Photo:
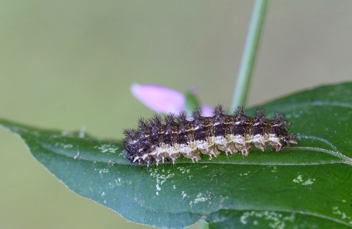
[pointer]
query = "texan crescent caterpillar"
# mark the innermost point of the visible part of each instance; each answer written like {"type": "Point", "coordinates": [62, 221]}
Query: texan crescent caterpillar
{"type": "Point", "coordinates": [157, 141]}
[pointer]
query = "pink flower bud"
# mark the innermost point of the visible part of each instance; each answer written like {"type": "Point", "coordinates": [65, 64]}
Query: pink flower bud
{"type": "Point", "coordinates": [163, 99]}
{"type": "Point", "coordinates": [158, 98]}
{"type": "Point", "coordinates": [207, 110]}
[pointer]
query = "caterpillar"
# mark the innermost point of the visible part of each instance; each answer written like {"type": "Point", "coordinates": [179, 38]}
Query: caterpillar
{"type": "Point", "coordinates": [155, 141]}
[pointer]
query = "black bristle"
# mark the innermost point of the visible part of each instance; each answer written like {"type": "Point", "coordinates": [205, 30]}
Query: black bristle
{"type": "Point", "coordinates": [130, 133]}
{"type": "Point", "coordinates": [239, 111]}
{"type": "Point", "coordinates": [197, 113]}
{"type": "Point", "coordinates": [277, 117]}
{"type": "Point", "coordinates": [143, 125]}
{"type": "Point", "coordinates": [127, 132]}
{"type": "Point", "coordinates": [218, 111]}
{"type": "Point", "coordinates": [182, 117]}
{"type": "Point", "coordinates": [170, 119]}
{"type": "Point", "coordinates": [259, 114]}
{"type": "Point", "coordinates": [129, 156]}
{"type": "Point", "coordinates": [155, 122]}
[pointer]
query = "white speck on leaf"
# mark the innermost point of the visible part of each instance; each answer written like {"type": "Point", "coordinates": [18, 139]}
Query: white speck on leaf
{"type": "Point", "coordinates": [343, 215]}
{"type": "Point", "coordinates": [183, 170]}
{"type": "Point", "coordinates": [245, 174]}
{"type": "Point", "coordinates": [244, 217]}
{"type": "Point", "coordinates": [103, 171]}
{"type": "Point", "coordinates": [118, 182]}
{"type": "Point", "coordinates": [308, 182]}
{"type": "Point", "coordinates": [160, 178]}
{"type": "Point", "coordinates": [278, 219]}
{"type": "Point", "coordinates": [63, 145]}
{"type": "Point", "coordinates": [107, 148]}
{"type": "Point", "coordinates": [68, 146]}
{"type": "Point", "coordinates": [200, 198]}
{"type": "Point", "coordinates": [299, 180]}
{"type": "Point", "coordinates": [158, 187]}
{"type": "Point", "coordinates": [76, 156]}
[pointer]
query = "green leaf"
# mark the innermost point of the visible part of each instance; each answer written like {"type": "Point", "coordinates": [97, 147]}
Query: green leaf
{"type": "Point", "coordinates": [306, 185]}
{"type": "Point", "coordinates": [192, 102]}
{"type": "Point", "coordinates": [267, 219]}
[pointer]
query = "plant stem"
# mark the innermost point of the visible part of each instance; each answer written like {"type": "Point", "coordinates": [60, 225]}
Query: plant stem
{"type": "Point", "coordinates": [249, 54]}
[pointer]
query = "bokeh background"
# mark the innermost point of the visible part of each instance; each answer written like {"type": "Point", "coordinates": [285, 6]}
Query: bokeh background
{"type": "Point", "coordinates": [64, 64]}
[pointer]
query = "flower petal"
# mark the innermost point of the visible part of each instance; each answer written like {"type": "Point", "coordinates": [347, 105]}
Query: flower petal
{"type": "Point", "coordinates": [158, 98]}
{"type": "Point", "coordinates": [207, 110]}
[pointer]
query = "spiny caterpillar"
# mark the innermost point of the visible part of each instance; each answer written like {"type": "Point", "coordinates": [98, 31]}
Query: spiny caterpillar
{"type": "Point", "coordinates": [155, 141]}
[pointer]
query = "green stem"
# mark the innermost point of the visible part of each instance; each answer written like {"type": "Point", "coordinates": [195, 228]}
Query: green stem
{"type": "Point", "coordinates": [249, 54]}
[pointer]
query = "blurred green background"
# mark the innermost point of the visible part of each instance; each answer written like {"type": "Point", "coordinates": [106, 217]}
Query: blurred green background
{"type": "Point", "coordinates": [65, 64]}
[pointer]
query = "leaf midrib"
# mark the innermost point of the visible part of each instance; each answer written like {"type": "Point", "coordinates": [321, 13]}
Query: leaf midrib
{"type": "Point", "coordinates": [346, 160]}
